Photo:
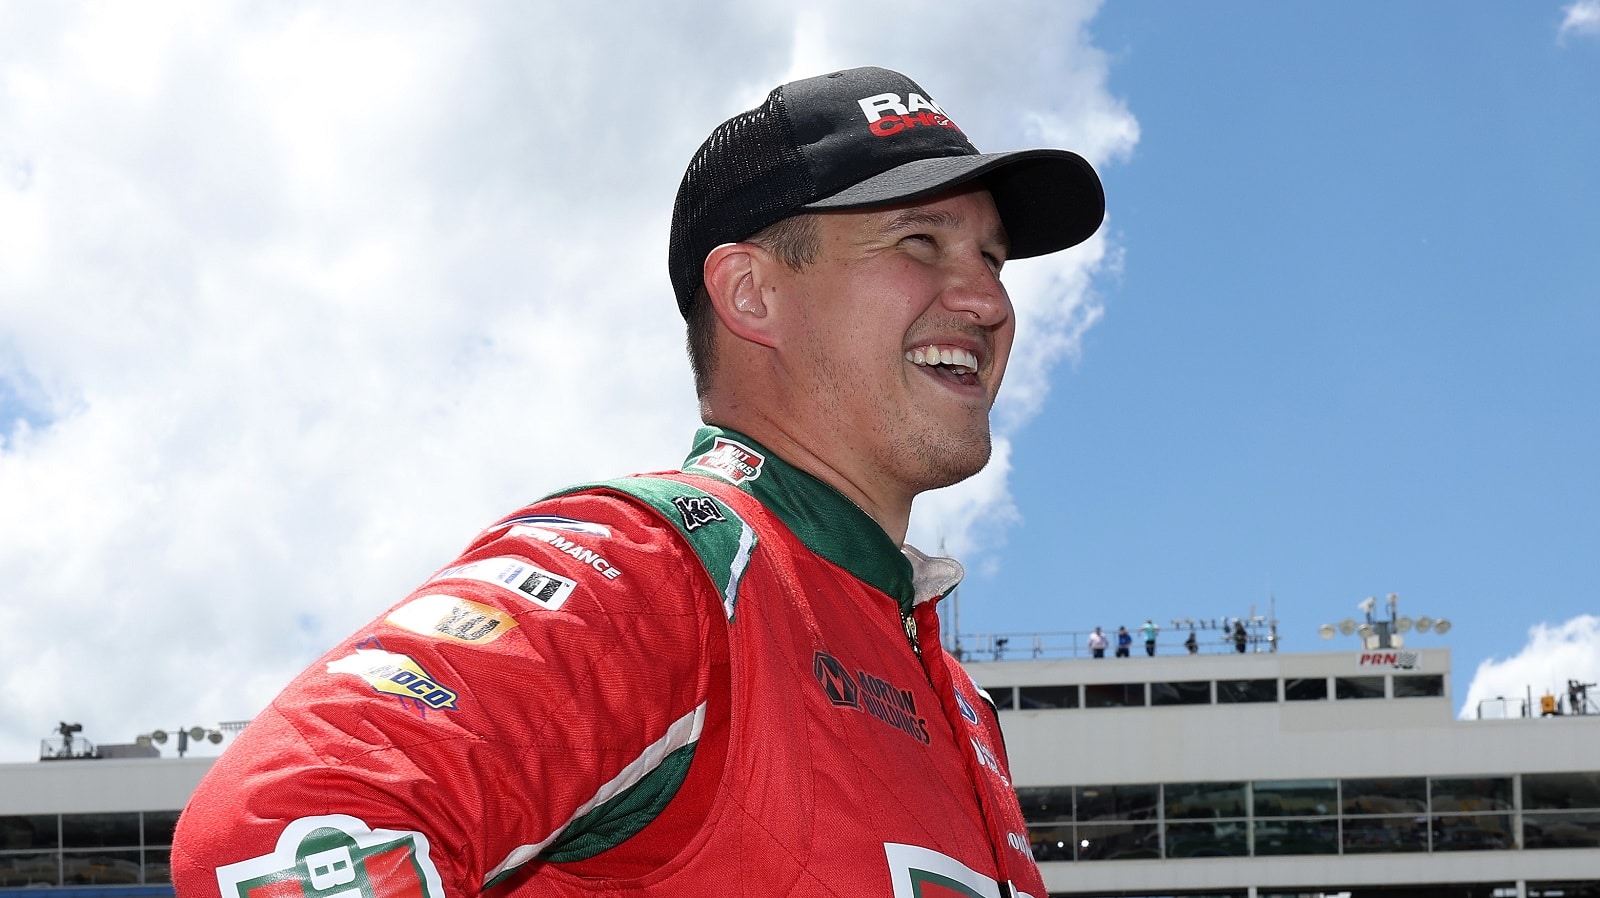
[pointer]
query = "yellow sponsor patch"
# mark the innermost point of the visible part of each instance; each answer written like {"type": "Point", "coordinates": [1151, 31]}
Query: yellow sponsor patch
{"type": "Point", "coordinates": [397, 675]}
{"type": "Point", "coordinates": [453, 618]}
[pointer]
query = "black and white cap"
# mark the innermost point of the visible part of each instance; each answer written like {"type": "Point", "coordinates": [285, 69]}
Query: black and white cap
{"type": "Point", "coordinates": [860, 138]}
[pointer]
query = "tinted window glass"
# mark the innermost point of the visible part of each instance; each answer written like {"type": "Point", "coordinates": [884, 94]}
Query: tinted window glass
{"type": "Point", "coordinates": [1117, 802]}
{"type": "Point", "coordinates": [1370, 835]}
{"type": "Point", "coordinates": [1049, 697]}
{"type": "Point", "coordinates": [1004, 697]}
{"type": "Point", "coordinates": [88, 868]}
{"type": "Point", "coordinates": [1051, 843]}
{"type": "Point", "coordinates": [1297, 836]}
{"type": "Point", "coordinates": [37, 868]}
{"type": "Point", "coordinates": [1358, 687]}
{"type": "Point", "coordinates": [158, 827]}
{"type": "Point", "coordinates": [34, 831]}
{"type": "Point", "coordinates": [1481, 794]}
{"type": "Point", "coordinates": [1227, 839]}
{"type": "Point", "coordinates": [1113, 695]}
{"type": "Point", "coordinates": [1117, 841]}
{"type": "Point", "coordinates": [1236, 691]}
{"type": "Point", "coordinates": [1580, 829]}
{"type": "Point", "coordinates": [1045, 805]}
{"type": "Point", "coordinates": [99, 830]}
{"type": "Point", "coordinates": [1305, 690]}
{"type": "Point", "coordinates": [1187, 692]}
{"type": "Point", "coordinates": [1472, 832]}
{"type": "Point", "coordinates": [157, 865]}
{"type": "Point", "coordinates": [1556, 791]}
{"type": "Point", "coordinates": [1404, 795]}
{"type": "Point", "coordinates": [1295, 798]}
{"type": "Point", "coordinates": [1425, 686]}
{"type": "Point", "coordinates": [1200, 800]}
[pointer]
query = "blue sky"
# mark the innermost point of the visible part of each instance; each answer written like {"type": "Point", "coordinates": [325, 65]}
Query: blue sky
{"type": "Point", "coordinates": [295, 298]}
{"type": "Point", "coordinates": [1351, 349]}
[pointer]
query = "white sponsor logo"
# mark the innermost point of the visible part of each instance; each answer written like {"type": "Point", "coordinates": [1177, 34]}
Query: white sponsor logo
{"type": "Point", "coordinates": [879, 105]}
{"type": "Point", "coordinates": [535, 584]}
{"type": "Point", "coordinates": [588, 556]}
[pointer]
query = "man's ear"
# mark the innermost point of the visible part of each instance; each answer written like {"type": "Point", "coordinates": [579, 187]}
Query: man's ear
{"type": "Point", "coordinates": [734, 275]}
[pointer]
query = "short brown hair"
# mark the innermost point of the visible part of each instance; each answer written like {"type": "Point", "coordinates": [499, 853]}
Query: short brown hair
{"type": "Point", "coordinates": [795, 240]}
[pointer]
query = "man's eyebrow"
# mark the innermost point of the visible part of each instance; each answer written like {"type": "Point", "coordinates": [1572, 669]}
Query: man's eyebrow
{"type": "Point", "coordinates": [933, 218]}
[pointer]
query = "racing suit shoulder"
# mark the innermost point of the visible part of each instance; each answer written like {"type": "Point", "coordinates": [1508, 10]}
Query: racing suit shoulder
{"type": "Point", "coordinates": [540, 698]}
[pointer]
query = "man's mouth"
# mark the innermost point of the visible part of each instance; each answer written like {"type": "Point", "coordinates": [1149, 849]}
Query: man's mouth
{"type": "Point", "coordinates": [960, 363]}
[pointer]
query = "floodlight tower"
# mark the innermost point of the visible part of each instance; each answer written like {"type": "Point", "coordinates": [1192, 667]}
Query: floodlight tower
{"type": "Point", "coordinates": [1380, 633]}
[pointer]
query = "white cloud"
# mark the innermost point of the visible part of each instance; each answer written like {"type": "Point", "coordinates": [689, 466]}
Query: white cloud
{"type": "Point", "coordinates": [1554, 654]}
{"type": "Point", "coordinates": [1581, 18]}
{"type": "Point", "coordinates": [294, 298]}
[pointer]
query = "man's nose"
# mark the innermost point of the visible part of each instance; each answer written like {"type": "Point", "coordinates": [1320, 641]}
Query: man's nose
{"type": "Point", "coordinates": [975, 288]}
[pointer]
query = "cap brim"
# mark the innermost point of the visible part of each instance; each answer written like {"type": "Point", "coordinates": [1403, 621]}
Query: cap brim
{"type": "Point", "coordinates": [1047, 199]}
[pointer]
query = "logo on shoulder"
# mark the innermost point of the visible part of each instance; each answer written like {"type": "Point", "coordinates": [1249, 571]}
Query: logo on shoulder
{"type": "Point", "coordinates": [336, 856]}
{"type": "Point", "coordinates": [543, 588]}
{"type": "Point", "coordinates": [584, 554]}
{"type": "Point", "coordinates": [731, 460]}
{"type": "Point", "coordinates": [396, 675]}
{"type": "Point", "coordinates": [697, 511]}
{"type": "Point", "coordinates": [454, 618]}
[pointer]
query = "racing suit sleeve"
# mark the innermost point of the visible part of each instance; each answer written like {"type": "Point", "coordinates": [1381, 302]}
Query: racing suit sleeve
{"type": "Point", "coordinates": [538, 701]}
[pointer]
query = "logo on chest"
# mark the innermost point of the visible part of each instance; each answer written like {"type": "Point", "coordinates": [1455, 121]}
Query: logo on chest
{"type": "Point", "coordinates": [871, 695]}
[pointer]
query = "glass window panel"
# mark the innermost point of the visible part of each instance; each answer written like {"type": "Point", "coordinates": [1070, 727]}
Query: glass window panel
{"type": "Point", "coordinates": [1471, 794]}
{"type": "Point", "coordinates": [1117, 841]}
{"type": "Point", "coordinates": [1117, 802]}
{"type": "Point", "coordinates": [36, 868]}
{"type": "Point", "coordinates": [158, 827]}
{"type": "Point", "coordinates": [1295, 798]}
{"type": "Point", "coordinates": [1403, 795]}
{"type": "Point", "coordinates": [1423, 686]}
{"type": "Point", "coordinates": [1297, 836]}
{"type": "Point", "coordinates": [100, 830]}
{"type": "Point", "coordinates": [1186, 692]}
{"type": "Point", "coordinates": [1358, 687]}
{"type": "Point", "coordinates": [1231, 692]}
{"type": "Point", "coordinates": [1201, 800]}
{"type": "Point", "coordinates": [1567, 829]}
{"type": "Point", "coordinates": [32, 831]}
{"type": "Point", "coordinates": [1051, 843]}
{"type": "Point", "coordinates": [1311, 690]}
{"type": "Point", "coordinates": [1368, 835]}
{"type": "Point", "coordinates": [1049, 697]}
{"type": "Point", "coordinates": [1472, 832]}
{"type": "Point", "coordinates": [157, 865]}
{"type": "Point", "coordinates": [1004, 697]}
{"type": "Point", "coordinates": [1560, 791]}
{"type": "Point", "coordinates": [87, 868]}
{"type": "Point", "coordinates": [1224, 839]}
{"type": "Point", "coordinates": [1113, 695]}
{"type": "Point", "coordinates": [1045, 804]}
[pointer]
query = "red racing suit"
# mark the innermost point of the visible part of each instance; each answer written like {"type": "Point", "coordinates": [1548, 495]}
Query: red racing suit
{"type": "Point", "coordinates": [726, 679]}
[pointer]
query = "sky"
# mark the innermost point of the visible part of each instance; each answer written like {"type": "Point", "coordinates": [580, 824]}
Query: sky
{"type": "Point", "coordinates": [296, 297]}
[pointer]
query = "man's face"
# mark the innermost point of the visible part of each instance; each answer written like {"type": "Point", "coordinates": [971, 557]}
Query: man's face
{"type": "Point", "coordinates": [901, 330]}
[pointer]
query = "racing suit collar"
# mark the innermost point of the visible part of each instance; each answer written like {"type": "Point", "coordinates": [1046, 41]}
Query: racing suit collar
{"type": "Point", "coordinates": [822, 517]}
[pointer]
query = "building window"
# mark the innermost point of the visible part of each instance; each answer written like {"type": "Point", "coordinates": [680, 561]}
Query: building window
{"type": "Point", "coordinates": [1469, 794]}
{"type": "Point", "coordinates": [1399, 795]}
{"type": "Point", "coordinates": [1049, 804]}
{"type": "Point", "coordinates": [1211, 838]}
{"type": "Point", "coordinates": [1113, 695]}
{"type": "Point", "coordinates": [1295, 798]}
{"type": "Point", "coordinates": [1561, 829]}
{"type": "Point", "coordinates": [1187, 801]}
{"type": "Point", "coordinates": [1357, 687]}
{"type": "Point", "coordinates": [1305, 690]}
{"type": "Point", "coordinates": [1472, 832]}
{"type": "Point", "coordinates": [1004, 697]}
{"type": "Point", "coordinates": [1370, 835]}
{"type": "Point", "coordinates": [30, 868]}
{"type": "Point", "coordinates": [1187, 692]}
{"type": "Point", "coordinates": [1239, 691]}
{"type": "Point", "coordinates": [1117, 841]}
{"type": "Point", "coordinates": [100, 830]}
{"type": "Point", "coordinates": [1292, 835]}
{"type": "Point", "coordinates": [1423, 686]}
{"type": "Point", "coordinates": [1560, 791]}
{"type": "Point", "coordinates": [1139, 802]}
{"type": "Point", "coordinates": [1035, 697]}
{"type": "Point", "coordinates": [33, 831]}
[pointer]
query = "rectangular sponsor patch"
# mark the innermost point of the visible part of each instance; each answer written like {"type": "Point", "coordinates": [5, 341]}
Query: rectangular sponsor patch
{"type": "Point", "coordinates": [533, 583]}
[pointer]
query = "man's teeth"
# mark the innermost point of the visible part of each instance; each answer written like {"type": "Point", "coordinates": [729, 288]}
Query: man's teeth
{"type": "Point", "coordinates": [957, 360]}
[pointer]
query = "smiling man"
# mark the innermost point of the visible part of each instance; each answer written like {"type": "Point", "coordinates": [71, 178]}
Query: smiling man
{"type": "Point", "coordinates": [726, 678]}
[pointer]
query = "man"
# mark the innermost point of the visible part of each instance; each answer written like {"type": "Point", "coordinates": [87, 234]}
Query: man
{"type": "Point", "coordinates": [727, 678]}
{"type": "Point", "coordinates": [1124, 642]}
{"type": "Point", "coordinates": [1097, 643]}
{"type": "Point", "coordinates": [1148, 631]}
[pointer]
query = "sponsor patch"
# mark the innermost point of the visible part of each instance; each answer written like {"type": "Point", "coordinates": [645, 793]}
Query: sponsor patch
{"type": "Point", "coordinates": [865, 692]}
{"type": "Point", "coordinates": [454, 618]}
{"type": "Point", "coordinates": [585, 555]}
{"type": "Point", "coordinates": [697, 511]}
{"type": "Point", "coordinates": [536, 584]}
{"type": "Point", "coordinates": [919, 872]}
{"type": "Point", "coordinates": [556, 522]}
{"type": "Point", "coordinates": [966, 709]}
{"type": "Point", "coordinates": [888, 114]}
{"type": "Point", "coordinates": [336, 856]}
{"type": "Point", "coordinates": [731, 460]}
{"type": "Point", "coordinates": [397, 675]}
